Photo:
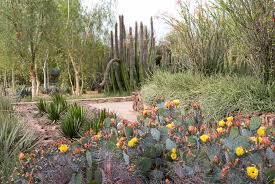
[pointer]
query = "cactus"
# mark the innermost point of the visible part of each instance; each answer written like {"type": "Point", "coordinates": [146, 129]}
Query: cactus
{"type": "Point", "coordinates": [134, 55]}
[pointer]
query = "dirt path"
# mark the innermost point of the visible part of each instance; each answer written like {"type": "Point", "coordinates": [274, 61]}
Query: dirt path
{"type": "Point", "coordinates": [122, 109]}
{"type": "Point", "coordinates": [48, 132]}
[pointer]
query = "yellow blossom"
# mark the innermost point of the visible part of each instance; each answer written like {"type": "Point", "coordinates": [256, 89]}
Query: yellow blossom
{"type": "Point", "coordinates": [171, 125]}
{"type": "Point", "coordinates": [239, 151]}
{"type": "Point", "coordinates": [174, 150]}
{"type": "Point", "coordinates": [261, 131]}
{"type": "Point", "coordinates": [135, 140]}
{"type": "Point", "coordinates": [204, 138]}
{"type": "Point", "coordinates": [221, 123]}
{"type": "Point", "coordinates": [229, 118]}
{"type": "Point", "coordinates": [252, 172]}
{"type": "Point", "coordinates": [131, 144]}
{"type": "Point", "coordinates": [173, 156]}
{"type": "Point", "coordinates": [220, 130]}
{"type": "Point", "coordinates": [176, 102]}
{"type": "Point", "coordinates": [229, 123]}
{"type": "Point", "coordinates": [63, 148]}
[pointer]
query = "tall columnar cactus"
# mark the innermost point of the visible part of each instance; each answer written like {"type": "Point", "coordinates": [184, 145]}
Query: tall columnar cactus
{"type": "Point", "coordinates": [133, 56]}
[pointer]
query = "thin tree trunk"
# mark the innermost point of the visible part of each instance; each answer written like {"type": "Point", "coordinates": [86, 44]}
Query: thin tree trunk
{"type": "Point", "coordinates": [77, 76]}
{"type": "Point", "coordinates": [70, 79]}
{"type": "Point", "coordinates": [33, 80]}
{"type": "Point", "coordinates": [45, 72]}
{"type": "Point", "coordinates": [37, 80]}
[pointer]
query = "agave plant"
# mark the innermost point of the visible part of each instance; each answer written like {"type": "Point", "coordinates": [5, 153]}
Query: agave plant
{"type": "Point", "coordinates": [13, 139]}
{"type": "Point", "coordinates": [73, 121]}
{"type": "Point", "coordinates": [96, 121]}
{"type": "Point", "coordinates": [42, 106]}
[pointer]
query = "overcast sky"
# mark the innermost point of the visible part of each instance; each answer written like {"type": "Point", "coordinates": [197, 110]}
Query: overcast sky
{"type": "Point", "coordinates": [142, 10]}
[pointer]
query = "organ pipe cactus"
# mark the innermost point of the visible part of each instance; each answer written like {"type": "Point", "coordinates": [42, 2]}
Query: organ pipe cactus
{"type": "Point", "coordinates": [132, 57]}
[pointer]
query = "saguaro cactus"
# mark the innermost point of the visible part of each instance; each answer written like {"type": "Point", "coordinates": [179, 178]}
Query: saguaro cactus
{"type": "Point", "coordinates": [132, 57]}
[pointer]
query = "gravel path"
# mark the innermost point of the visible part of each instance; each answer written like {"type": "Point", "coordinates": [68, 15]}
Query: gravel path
{"type": "Point", "coordinates": [122, 109]}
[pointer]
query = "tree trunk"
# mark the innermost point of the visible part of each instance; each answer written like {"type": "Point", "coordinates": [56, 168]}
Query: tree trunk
{"type": "Point", "coordinates": [45, 72]}
{"type": "Point", "coordinates": [33, 80]}
{"type": "Point", "coordinates": [37, 80]}
{"type": "Point", "coordinates": [77, 76]}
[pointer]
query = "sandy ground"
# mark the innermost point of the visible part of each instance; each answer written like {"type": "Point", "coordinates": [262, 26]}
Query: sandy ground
{"type": "Point", "coordinates": [48, 131]}
{"type": "Point", "coordinates": [122, 109]}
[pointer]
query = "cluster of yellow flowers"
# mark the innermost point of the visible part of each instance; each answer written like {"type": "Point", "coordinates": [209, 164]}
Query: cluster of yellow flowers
{"type": "Point", "coordinates": [173, 154]}
{"type": "Point", "coordinates": [222, 123]}
{"type": "Point", "coordinates": [172, 104]}
{"type": "Point", "coordinates": [133, 142]}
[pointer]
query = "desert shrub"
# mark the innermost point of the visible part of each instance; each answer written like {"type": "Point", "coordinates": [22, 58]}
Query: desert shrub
{"type": "Point", "coordinates": [5, 104]}
{"type": "Point", "coordinates": [13, 139]}
{"type": "Point", "coordinates": [61, 101]}
{"type": "Point", "coordinates": [219, 95]}
{"type": "Point", "coordinates": [73, 121]}
{"type": "Point", "coordinates": [42, 106]}
{"type": "Point", "coordinates": [54, 109]}
{"type": "Point", "coordinates": [95, 122]}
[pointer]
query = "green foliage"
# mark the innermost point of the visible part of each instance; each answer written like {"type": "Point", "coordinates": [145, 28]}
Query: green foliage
{"type": "Point", "coordinates": [14, 138]}
{"type": "Point", "coordinates": [42, 106]}
{"type": "Point", "coordinates": [96, 121]}
{"type": "Point", "coordinates": [56, 108]}
{"type": "Point", "coordinates": [72, 122]}
{"type": "Point", "coordinates": [218, 95]}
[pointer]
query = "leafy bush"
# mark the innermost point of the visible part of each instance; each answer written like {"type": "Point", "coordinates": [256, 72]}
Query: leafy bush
{"type": "Point", "coordinates": [218, 95]}
{"type": "Point", "coordinates": [42, 106]}
{"type": "Point", "coordinates": [72, 122]}
{"type": "Point", "coordinates": [13, 139]}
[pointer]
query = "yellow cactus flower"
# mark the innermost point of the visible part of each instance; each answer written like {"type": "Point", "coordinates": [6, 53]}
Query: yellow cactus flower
{"type": "Point", "coordinates": [204, 138]}
{"type": "Point", "coordinates": [173, 156]}
{"type": "Point", "coordinates": [131, 144]}
{"type": "Point", "coordinates": [252, 172]}
{"type": "Point", "coordinates": [135, 140]}
{"type": "Point", "coordinates": [239, 151]}
{"type": "Point", "coordinates": [220, 130]}
{"type": "Point", "coordinates": [170, 125]}
{"type": "Point", "coordinates": [176, 102]}
{"type": "Point", "coordinates": [174, 150]}
{"type": "Point", "coordinates": [229, 118]}
{"type": "Point", "coordinates": [261, 131]}
{"type": "Point", "coordinates": [63, 148]}
{"type": "Point", "coordinates": [221, 123]}
{"type": "Point", "coordinates": [228, 123]}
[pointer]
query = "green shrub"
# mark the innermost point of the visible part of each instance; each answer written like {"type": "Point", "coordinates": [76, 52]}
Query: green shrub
{"type": "Point", "coordinates": [42, 106]}
{"type": "Point", "coordinates": [61, 101]}
{"type": "Point", "coordinates": [96, 121]}
{"type": "Point", "coordinates": [73, 120]}
{"type": "Point", "coordinates": [56, 108]}
{"type": "Point", "coordinates": [13, 139]}
{"type": "Point", "coordinates": [218, 95]}
{"type": "Point", "coordinates": [5, 104]}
